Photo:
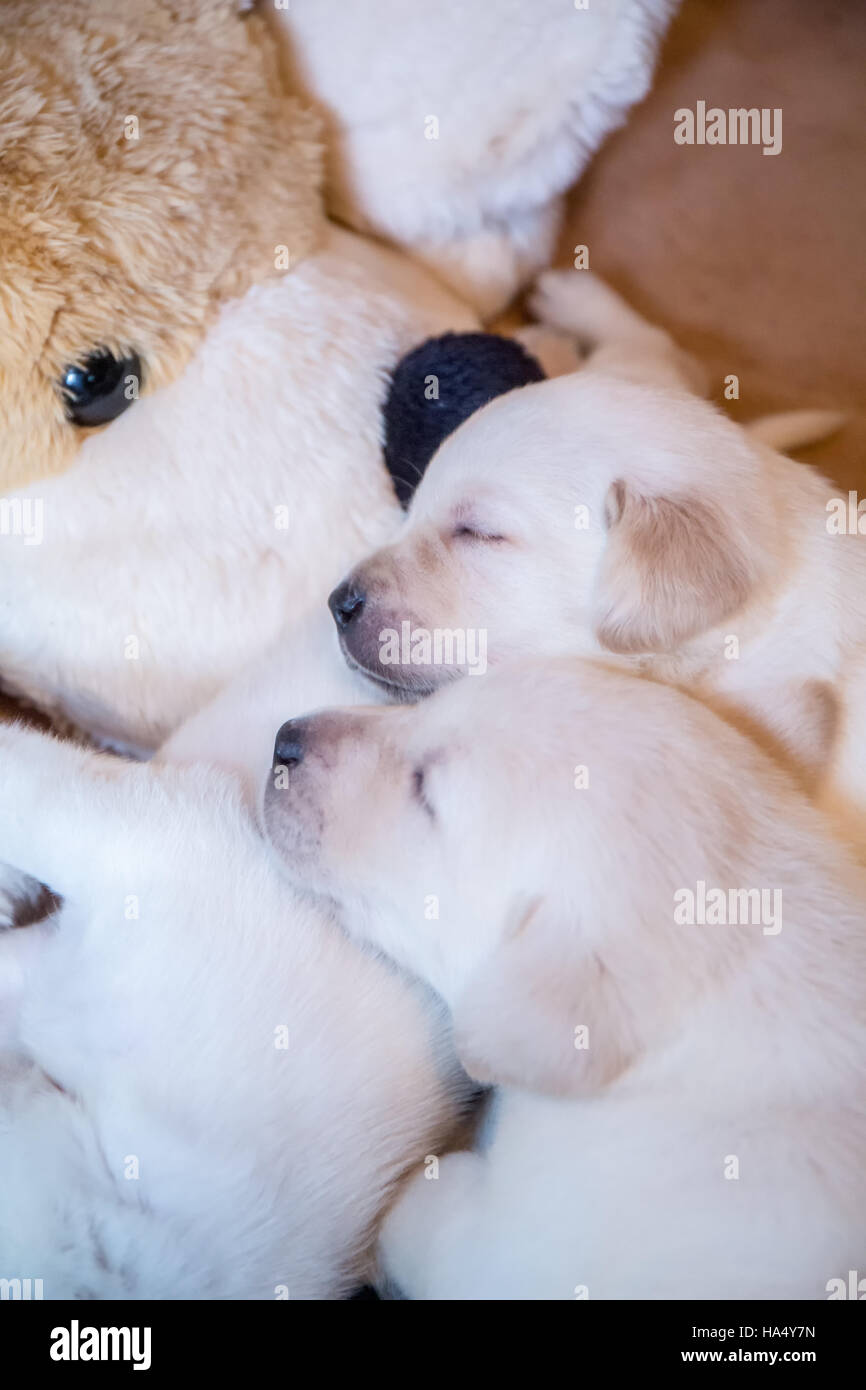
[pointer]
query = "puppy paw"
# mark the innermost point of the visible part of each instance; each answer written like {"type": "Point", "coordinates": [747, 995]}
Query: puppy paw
{"type": "Point", "coordinates": [426, 1226]}
{"type": "Point", "coordinates": [556, 352]}
{"type": "Point", "coordinates": [579, 303]}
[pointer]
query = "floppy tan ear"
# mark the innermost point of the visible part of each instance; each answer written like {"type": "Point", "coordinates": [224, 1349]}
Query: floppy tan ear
{"type": "Point", "coordinates": [540, 1015]}
{"type": "Point", "coordinates": [672, 567]}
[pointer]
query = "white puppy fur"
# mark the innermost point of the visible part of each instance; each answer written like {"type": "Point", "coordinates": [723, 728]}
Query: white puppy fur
{"type": "Point", "coordinates": [218, 511]}
{"type": "Point", "coordinates": [206, 1091]}
{"type": "Point", "coordinates": [299, 672]}
{"type": "Point", "coordinates": [454, 129]}
{"type": "Point", "coordinates": [682, 1105]}
{"type": "Point", "coordinates": [611, 511]}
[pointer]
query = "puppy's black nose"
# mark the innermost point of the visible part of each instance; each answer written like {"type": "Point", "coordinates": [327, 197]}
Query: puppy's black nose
{"type": "Point", "coordinates": [346, 603]}
{"type": "Point", "coordinates": [289, 746]}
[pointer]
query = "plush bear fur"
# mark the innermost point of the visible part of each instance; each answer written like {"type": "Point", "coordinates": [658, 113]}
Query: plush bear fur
{"type": "Point", "coordinates": [132, 243]}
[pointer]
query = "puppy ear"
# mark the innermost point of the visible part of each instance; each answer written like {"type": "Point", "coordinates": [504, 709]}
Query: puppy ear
{"type": "Point", "coordinates": [540, 1015]}
{"type": "Point", "coordinates": [672, 567]}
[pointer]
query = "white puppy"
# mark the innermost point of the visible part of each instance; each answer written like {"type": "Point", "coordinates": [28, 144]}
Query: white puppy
{"type": "Point", "coordinates": [610, 511]}
{"type": "Point", "coordinates": [648, 939]}
{"type": "Point", "coordinates": [454, 129]}
{"type": "Point", "coordinates": [206, 1091]}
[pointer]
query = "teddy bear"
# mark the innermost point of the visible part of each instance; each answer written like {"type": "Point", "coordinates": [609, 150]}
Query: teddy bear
{"type": "Point", "coordinates": [150, 162]}
{"type": "Point", "coordinates": [195, 359]}
{"type": "Point", "coordinates": [192, 360]}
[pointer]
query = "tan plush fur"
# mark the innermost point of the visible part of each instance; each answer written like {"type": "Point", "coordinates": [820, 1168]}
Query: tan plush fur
{"type": "Point", "coordinates": [131, 244]}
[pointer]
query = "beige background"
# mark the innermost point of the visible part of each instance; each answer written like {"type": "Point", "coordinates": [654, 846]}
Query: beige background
{"type": "Point", "coordinates": [755, 262]}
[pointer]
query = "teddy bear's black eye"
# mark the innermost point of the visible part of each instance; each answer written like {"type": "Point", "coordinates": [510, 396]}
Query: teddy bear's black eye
{"type": "Point", "coordinates": [100, 387]}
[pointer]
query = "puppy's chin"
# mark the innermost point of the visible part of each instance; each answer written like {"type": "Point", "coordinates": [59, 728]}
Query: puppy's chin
{"type": "Point", "coordinates": [292, 825]}
{"type": "Point", "coordinates": [401, 684]}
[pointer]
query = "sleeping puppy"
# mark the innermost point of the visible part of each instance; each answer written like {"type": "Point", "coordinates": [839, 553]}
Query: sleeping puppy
{"type": "Point", "coordinates": [239, 721]}
{"type": "Point", "coordinates": [200, 1092]}
{"type": "Point", "coordinates": [612, 511]}
{"type": "Point", "coordinates": [647, 939]}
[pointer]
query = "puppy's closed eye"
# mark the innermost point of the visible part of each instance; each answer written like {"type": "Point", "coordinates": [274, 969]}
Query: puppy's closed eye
{"type": "Point", "coordinates": [419, 792]}
{"type": "Point", "coordinates": [468, 531]}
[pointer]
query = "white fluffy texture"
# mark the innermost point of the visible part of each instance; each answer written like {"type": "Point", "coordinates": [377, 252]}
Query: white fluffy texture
{"type": "Point", "coordinates": [154, 1001]}
{"type": "Point", "coordinates": [259, 1168]}
{"type": "Point", "coordinates": [794, 429]}
{"type": "Point", "coordinates": [301, 672]}
{"type": "Point", "coordinates": [163, 570]}
{"type": "Point", "coordinates": [556, 909]}
{"type": "Point", "coordinates": [640, 522]}
{"type": "Point", "coordinates": [523, 93]}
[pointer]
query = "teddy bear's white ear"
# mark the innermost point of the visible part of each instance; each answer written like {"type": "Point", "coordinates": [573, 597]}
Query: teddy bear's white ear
{"type": "Point", "coordinates": [542, 1013]}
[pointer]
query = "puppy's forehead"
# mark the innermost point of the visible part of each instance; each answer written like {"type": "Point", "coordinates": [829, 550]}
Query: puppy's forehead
{"type": "Point", "coordinates": [536, 437]}
{"type": "Point", "coordinates": [478, 451]}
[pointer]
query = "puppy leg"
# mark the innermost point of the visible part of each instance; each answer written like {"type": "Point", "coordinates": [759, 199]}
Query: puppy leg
{"type": "Point", "coordinates": [429, 1237]}
{"type": "Point", "coordinates": [64, 811]}
{"type": "Point", "coordinates": [555, 352]}
{"type": "Point", "coordinates": [578, 302]}
{"type": "Point", "coordinates": [60, 814]}
{"type": "Point", "coordinates": [21, 951]}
